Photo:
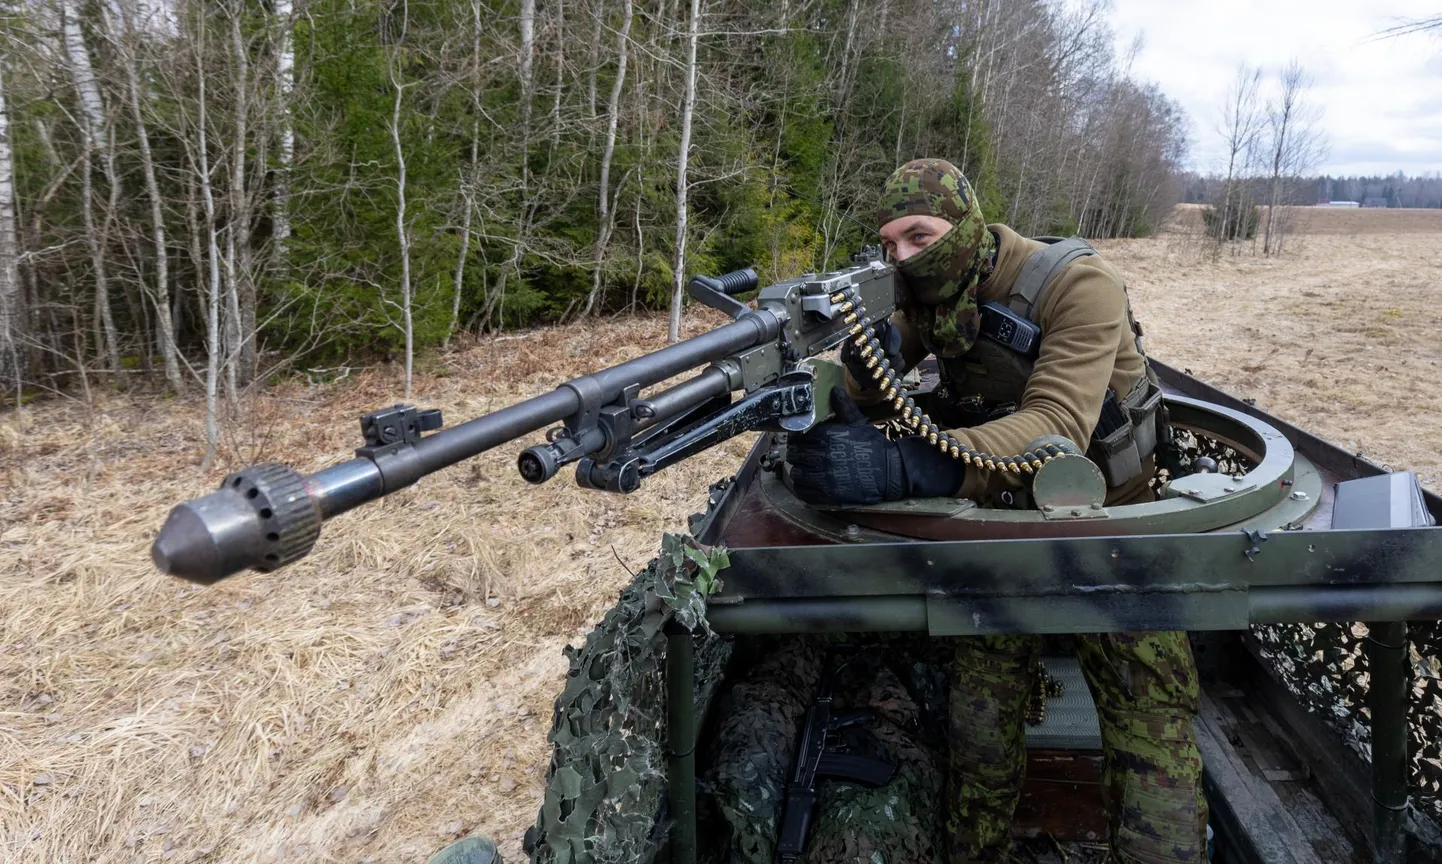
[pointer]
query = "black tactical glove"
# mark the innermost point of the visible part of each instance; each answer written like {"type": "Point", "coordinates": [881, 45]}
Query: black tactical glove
{"type": "Point", "coordinates": [852, 462]}
{"type": "Point", "coordinates": [890, 339]}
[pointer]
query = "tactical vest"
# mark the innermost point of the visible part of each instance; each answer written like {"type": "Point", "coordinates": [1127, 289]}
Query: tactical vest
{"type": "Point", "coordinates": [987, 382]}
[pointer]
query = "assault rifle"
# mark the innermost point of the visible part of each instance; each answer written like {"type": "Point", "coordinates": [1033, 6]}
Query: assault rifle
{"type": "Point", "coordinates": [814, 761]}
{"type": "Point", "coordinates": [759, 375]}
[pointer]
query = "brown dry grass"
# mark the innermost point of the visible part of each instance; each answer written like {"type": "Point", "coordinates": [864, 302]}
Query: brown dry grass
{"type": "Point", "coordinates": [394, 689]}
{"type": "Point", "coordinates": [369, 703]}
{"type": "Point", "coordinates": [1342, 335]}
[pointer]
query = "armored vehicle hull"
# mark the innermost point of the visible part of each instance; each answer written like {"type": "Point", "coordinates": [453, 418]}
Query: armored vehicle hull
{"type": "Point", "coordinates": [1269, 559]}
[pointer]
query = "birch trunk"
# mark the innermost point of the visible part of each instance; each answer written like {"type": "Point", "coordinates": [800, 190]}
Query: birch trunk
{"type": "Point", "coordinates": [688, 107]}
{"type": "Point", "coordinates": [528, 53]}
{"type": "Point", "coordinates": [82, 73]}
{"type": "Point", "coordinates": [212, 316]}
{"type": "Point", "coordinates": [47, 143]}
{"type": "Point", "coordinates": [197, 254]}
{"type": "Point", "coordinates": [844, 81]}
{"type": "Point", "coordinates": [233, 333]}
{"type": "Point", "coordinates": [241, 284]}
{"type": "Point", "coordinates": [285, 73]}
{"type": "Point", "coordinates": [1274, 200]}
{"type": "Point", "coordinates": [402, 234]}
{"type": "Point", "coordinates": [468, 184]}
{"type": "Point", "coordinates": [598, 11]}
{"type": "Point", "coordinates": [560, 76]}
{"type": "Point", "coordinates": [112, 211]}
{"type": "Point", "coordinates": [1240, 127]}
{"type": "Point", "coordinates": [468, 204]}
{"type": "Point", "coordinates": [528, 50]}
{"type": "Point", "coordinates": [613, 108]}
{"type": "Point", "coordinates": [92, 123]}
{"type": "Point", "coordinates": [900, 126]}
{"type": "Point", "coordinates": [31, 298]}
{"type": "Point", "coordinates": [12, 319]}
{"type": "Point", "coordinates": [784, 87]}
{"type": "Point", "coordinates": [157, 216]}
{"type": "Point", "coordinates": [640, 254]}
{"type": "Point", "coordinates": [1280, 145]}
{"type": "Point", "coordinates": [1288, 149]}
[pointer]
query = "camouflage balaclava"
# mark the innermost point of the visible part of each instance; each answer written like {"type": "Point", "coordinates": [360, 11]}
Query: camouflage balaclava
{"type": "Point", "coordinates": [942, 278]}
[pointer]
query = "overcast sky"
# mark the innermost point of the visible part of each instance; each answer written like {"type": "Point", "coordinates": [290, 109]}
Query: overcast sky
{"type": "Point", "coordinates": [1382, 99]}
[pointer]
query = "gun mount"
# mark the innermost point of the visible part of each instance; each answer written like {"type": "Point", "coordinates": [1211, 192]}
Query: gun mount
{"type": "Point", "coordinates": [1231, 550]}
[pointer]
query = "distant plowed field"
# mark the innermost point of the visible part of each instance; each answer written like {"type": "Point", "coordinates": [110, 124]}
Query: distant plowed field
{"type": "Point", "coordinates": [394, 690]}
{"type": "Point", "coordinates": [1339, 220]}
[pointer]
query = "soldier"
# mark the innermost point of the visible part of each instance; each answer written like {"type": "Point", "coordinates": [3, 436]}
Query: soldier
{"type": "Point", "coordinates": [1088, 382]}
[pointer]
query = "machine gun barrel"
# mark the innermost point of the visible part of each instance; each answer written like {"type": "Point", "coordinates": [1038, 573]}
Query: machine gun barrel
{"type": "Point", "coordinates": [266, 516]}
{"type": "Point", "coordinates": [269, 515]}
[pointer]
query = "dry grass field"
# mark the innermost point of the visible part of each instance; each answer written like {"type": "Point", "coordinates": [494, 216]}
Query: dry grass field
{"type": "Point", "coordinates": [1341, 335]}
{"type": "Point", "coordinates": [1336, 220]}
{"type": "Point", "coordinates": [393, 690]}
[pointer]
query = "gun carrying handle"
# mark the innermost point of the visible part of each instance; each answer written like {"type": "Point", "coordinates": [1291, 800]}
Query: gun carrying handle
{"type": "Point", "coordinates": [717, 292]}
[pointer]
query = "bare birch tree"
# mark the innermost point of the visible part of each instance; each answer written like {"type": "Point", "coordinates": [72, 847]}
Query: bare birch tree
{"type": "Point", "coordinates": [598, 14]}
{"type": "Point", "coordinates": [471, 176]}
{"type": "Point", "coordinates": [560, 88]}
{"type": "Point", "coordinates": [212, 293]}
{"type": "Point", "coordinates": [525, 67]}
{"type": "Point", "coordinates": [92, 128]}
{"type": "Point", "coordinates": [688, 108]}
{"type": "Point", "coordinates": [12, 319]}
{"type": "Point", "coordinates": [403, 233]}
{"type": "Point", "coordinates": [1294, 147]}
{"type": "Point", "coordinates": [606, 219]}
{"type": "Point", "coordinates": [285, 80]}
{"type": "Point", "coordinates": [1241, 122]}
{"type": "Point", "coordinates": [239, 256]}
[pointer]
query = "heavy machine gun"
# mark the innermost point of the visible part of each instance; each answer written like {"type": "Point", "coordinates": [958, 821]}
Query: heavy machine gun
{"type": "Point", "coordinates": [269, 515]}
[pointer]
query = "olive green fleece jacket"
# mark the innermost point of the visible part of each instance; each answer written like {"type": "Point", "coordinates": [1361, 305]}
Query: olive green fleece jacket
{"type": "Point", "coordinates": [1086, 348]}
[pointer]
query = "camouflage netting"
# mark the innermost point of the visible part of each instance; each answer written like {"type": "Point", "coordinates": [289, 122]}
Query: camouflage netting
{"type": "Point", "coordinates": [1325, 667]}
{"type": "Point", "coordinates": [607, 781]}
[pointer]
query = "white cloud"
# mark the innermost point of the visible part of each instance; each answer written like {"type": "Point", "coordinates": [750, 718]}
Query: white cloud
{"type": "Point", "coordinates": [1381, 98]}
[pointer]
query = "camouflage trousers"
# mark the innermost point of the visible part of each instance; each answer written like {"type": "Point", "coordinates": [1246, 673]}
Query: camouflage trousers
{"type": "Point", "coordinates": [1146, 692]}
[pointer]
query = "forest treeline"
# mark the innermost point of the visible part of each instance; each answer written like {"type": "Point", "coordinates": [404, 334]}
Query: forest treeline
{"type": "Point", "coordinates": [208, 193]}
{"type": "Point", "coordinates": [1394, 190]}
